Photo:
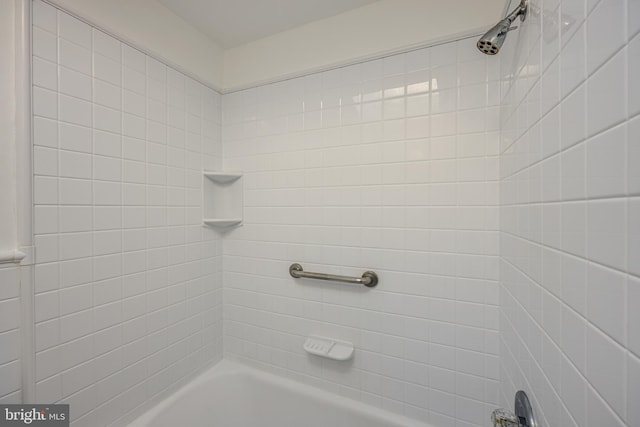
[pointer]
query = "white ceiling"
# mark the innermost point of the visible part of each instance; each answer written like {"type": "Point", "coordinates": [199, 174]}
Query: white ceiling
{"type": "Point", "coordinates": [234, 22]}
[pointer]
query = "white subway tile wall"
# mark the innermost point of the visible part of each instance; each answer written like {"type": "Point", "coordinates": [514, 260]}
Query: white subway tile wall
{"type": "Point", "coordinates": [461, 179]}
{"type": "Point", "coordinates": [390, 165]}
{"type": "Point", "coordinates": [10, 374]}
{"type": "Point", "coordinates": [128, 281]}
{"type": "Point", "coordinates": [570, 213]}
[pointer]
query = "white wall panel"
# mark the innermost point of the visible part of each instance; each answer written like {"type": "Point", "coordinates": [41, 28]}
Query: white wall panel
{"type": "Point", "coordinates": [568, 214]}
{"type": "Point", "coordinates": [113, 296]}
{"type": "Point", "coordinates": [390, 165]}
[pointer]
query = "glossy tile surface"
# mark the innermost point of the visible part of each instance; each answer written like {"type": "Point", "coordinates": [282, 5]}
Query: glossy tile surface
{"type": "Point", "coordinates": [568, 257]}
{"type": "Point", "coordinates": [128, 282]}
{"type": "Point", "coordinates": [389, 165]}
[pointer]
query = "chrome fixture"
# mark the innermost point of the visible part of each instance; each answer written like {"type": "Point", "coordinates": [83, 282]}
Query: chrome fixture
{"type": "Point", "coordinates": [369, 278]}
{"type": "Point", "coordinates": [493, 40]}
{"type": "Point", "coordinates": [523, 416]}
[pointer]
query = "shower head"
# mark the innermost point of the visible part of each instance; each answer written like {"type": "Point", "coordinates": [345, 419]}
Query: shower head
{"type": "Point", "coordinates": [491, 42]}
{"type": "Point", "coordinates": [493, 39]}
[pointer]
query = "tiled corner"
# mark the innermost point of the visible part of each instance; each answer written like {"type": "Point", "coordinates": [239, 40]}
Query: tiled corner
{"type": "Point", "coordinates": [595, 218]}
{"type": "Point", "coordinates": [115, 229]}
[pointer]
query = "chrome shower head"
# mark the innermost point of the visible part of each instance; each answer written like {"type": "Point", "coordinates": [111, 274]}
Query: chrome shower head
{"type": "Point", "coordinates": [491, 42]}
{"type": "Point", "coordinates": [493, 39]}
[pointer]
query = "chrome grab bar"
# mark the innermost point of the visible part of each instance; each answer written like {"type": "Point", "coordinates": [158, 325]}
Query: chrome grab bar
{"type": "Point", "coordinates": [369, 278]}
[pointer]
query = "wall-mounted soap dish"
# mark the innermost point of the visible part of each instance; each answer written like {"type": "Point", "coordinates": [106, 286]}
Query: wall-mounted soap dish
{"type": "Point", "coordinates": [329, 348]}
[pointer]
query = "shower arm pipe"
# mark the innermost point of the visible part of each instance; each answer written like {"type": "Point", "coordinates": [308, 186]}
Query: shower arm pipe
{"type": "Point", "coordinates": [368, 279]}
{"type": "Point", "coordinates": [520, 11]}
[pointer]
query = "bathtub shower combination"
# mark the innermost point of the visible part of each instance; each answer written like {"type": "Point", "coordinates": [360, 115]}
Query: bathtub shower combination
{"type": "Point", "coordinates": [414, 240]}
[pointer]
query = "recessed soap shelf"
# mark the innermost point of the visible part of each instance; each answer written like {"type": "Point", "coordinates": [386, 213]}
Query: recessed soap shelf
{"type": "Point", "coordinates": [222, 199]}
{"type": "Point", "coordinates": [329, 348]}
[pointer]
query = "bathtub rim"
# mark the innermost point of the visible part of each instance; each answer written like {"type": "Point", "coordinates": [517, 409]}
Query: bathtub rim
{"type": "Point", "coordinates": [143, 414]}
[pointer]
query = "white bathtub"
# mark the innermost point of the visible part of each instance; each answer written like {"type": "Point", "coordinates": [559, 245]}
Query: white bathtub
{"type": "Point", "coordinates": [233, 395]}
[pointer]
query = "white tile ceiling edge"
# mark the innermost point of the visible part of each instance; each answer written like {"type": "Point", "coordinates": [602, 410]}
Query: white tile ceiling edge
{"type": "Point", "coordinates": [378, 29]}
{"type": "Point", "coordinates": [233, 23]}
{"type": "Point", "coordinates": [153, 53]}
{"type": "Point", "coordinates": [477, 32]}
{"type": "Point", "coordinates": [144, 38]}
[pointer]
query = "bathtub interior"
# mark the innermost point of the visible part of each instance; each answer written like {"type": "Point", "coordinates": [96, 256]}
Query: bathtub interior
{"type": "Point", "coordinates": [234, 395]}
